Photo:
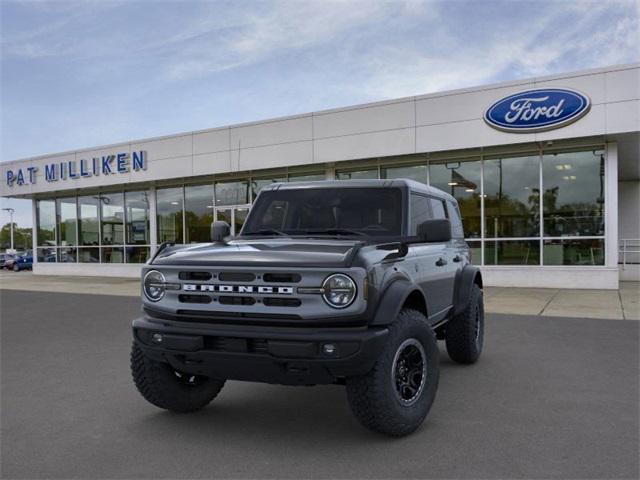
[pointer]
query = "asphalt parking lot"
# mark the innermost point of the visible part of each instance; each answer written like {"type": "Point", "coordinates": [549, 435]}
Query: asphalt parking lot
{"type": "Point", "coordinates": [550, 398]}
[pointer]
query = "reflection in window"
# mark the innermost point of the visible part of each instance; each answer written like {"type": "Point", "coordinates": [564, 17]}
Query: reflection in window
{"type": "Point", "coordinates": [48, 255]}
{"type": "Point", "coordinates": [169, 208]}
{"type": "Point", "coordinates": [512, 197]}
{"type": "Point", "coordinates": [573, 198]}
{"type": "Point", "coordinates": [112, 218]}
{"type": "Point", "coordinates": [67, 255]}
{"type": "Point", "coordinates": [438, 209]}
{"type": "Point", "coordinates": [46, 218]}
{"type": "Point", "coordinates": [420, 212]}
{"type": "Point", "coordinates": [258, 184]}
{"type": "Point", "coordinates": [512, 252]}
{"type": "Point", "coordinates": [137, 254]}
{"type": "Point", "coordinates": [112, 255]}
{"type": "Point", "coordinates": [574, 252]}
{"type": "Point", "coordinates": [462, 181]}
{"type": "Point", "coordinates": [370, 173]}
{"type": "Point", "coordinates": [89, 255]}
{"type": "Point", "coordinates": [67, 212]}
{"type": "Point", "coordinates": [240, 216]}
{"type": "Point", "coordinates": [198, 212]}
{"type": "Point", "coordinates": [137, 218]}
{"type": "Point", "coordinates": [414, 172]}
{"type": "Point", "coordinates": [232, 193]}
{"type": "Point", "coordinates": [456, 222]}
{"type": "Point", "coordinates": [88, 220]}
{"type": "Point", "coordinates": [307, 177]}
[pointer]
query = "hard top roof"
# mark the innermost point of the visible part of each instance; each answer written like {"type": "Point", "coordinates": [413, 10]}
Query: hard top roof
{"type": "Point", "coordinates": [364, 183]}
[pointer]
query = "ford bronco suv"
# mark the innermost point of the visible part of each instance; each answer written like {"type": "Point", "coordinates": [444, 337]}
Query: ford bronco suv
{"type": "Point", "coordinates": [346, 282]}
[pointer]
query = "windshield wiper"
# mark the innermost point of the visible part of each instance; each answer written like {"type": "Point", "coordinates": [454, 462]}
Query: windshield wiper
{"type": "Point", "coordinates": [336, 231]}
{"type": "Point", "coordinates": [267, 231]}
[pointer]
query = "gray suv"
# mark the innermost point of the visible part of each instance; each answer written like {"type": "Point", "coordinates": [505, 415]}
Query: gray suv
{"type": "Point", "coordinates": [347, 282]}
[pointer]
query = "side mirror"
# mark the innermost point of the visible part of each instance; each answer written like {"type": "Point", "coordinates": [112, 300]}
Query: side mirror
{"type": "Point", "coordinates": [219, 230]}
{"type": "Point", "coordinates": [437, 230]}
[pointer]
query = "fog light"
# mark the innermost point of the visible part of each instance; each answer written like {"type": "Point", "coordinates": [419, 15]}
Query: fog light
{"type": "Point", "coordinates": [329, 348]}
{"type": "Point", "coordinates": [156, 338]}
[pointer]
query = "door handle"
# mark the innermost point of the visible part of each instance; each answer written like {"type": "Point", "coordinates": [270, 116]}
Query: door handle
{"type": "Point", "coordinates": [457, 258]}
{"type": "Point", "coordinates": [441, 262]}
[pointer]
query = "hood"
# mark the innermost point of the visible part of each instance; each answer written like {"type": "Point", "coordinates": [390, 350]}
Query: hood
{"type": "Point", "coordinates": [285, 252]}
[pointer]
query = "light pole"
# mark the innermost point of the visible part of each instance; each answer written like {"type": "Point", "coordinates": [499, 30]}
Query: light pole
{"type": "Point", "coordinates": [11, 212]}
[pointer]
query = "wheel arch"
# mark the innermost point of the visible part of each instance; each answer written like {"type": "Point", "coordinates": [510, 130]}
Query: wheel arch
{"type": "Point", "coordinates": [398, 295]}
{"type": "Point", "coordinates": [470, 275]}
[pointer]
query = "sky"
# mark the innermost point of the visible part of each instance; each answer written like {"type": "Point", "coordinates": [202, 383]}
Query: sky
{"type": "Point", "coordinates": [87, 73]}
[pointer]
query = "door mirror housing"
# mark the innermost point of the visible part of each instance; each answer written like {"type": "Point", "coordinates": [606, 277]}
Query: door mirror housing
{"type": "Point", "coordinates": [435, 231]}
{"type": "Point", "coordinates": [219, 230]}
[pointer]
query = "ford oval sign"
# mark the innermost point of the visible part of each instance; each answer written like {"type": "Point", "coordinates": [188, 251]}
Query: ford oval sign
{"type": "Point", "coordinates": [537, 110]}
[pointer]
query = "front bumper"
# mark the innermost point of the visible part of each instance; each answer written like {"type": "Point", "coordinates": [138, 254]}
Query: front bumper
{"type": "Point", "coordinates": [290, 356]}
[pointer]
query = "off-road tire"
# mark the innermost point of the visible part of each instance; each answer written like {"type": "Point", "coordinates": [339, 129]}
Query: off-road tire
{"type": "Point", "coordinates": [160, 386]}
{"type": "Point", "coordinates": [373, 398]}
{"type": "Point", "coordinates": [464, 342]}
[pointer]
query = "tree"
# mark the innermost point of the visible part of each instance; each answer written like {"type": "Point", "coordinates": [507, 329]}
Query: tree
{"type": "Point", "coordinates": [21, 237]}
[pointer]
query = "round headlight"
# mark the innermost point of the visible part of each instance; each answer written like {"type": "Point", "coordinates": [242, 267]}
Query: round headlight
{"type": "Point", "coordinates": [339, 290]}
{"type": "Point", "coordinates": [153, 285]}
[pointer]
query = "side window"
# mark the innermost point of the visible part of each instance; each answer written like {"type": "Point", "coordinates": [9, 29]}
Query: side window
{"type": "Point", "coordinates": [419, 212]}
{"type": "Point", "coordinates": [456, 222]}
{"type": "Point", "coordinates": [437, 206]}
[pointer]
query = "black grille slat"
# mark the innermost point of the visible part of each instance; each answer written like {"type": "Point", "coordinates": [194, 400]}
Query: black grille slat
{"type": "Point", "coordinates": [196, 276]}
{"type": "Point", "coordinates": [282, 277]}
{"type": "Point", "coordinates": [237, 277]}
{"type": "Point", "coordinates": [229, 300]}
{"type": "Point", "coordinates": [282, 302]}
{"type": "Point", "coordinates": [184, 298]}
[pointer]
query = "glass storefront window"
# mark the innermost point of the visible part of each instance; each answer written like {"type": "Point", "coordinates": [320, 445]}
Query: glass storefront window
{"type": "Point", "coordinates": [512, 252]}
{"type": "Point", "coordinates": [198, 212]}
{"type": "Point", "coordinates": [112, 218]}
{"type": "Point", "coordinates": [46, 218]}
{"type": "Point", "coordinates": [475, 249]}
{"type": "Point", "coordinates": [573, 198]}
{"type": "Point", "coordinates": [369, 173]}
{"type": "Point", "coordinates": [512, 197]}
{"type": "Point", "coordinates": [137, 218]}
{"type": "Point", "coordinates": [307, 177]}
{"type": "Point", "coordinates": [47, 254]}
{"type": "Point", "coordinates": [67, 255]}
{"type": "Point", "coordinates": [88, 220]}
{"type": "Point", "coordinates": [232, 193]}
{"type": "Point", "coordinates": [258, 184]}
{"type": "Point", "coordinates": [574, 252]}
{"type": "Point", "coordinates": [112, 255]}
{"type": "Point", "coordinates": [137, 254]}
{"type": "Point", "coordinates": [169, 208]}
{"type": "Point", "coordinates": [67, 221]}
{"type": "Point", "coordinates": [89, 255]}
{"type": "Point", "coordinates": [462, 181]}
{"type": "Point", "coordinates": [413, 172]}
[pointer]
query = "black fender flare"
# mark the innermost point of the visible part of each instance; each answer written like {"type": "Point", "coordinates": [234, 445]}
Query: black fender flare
{"type": "Point", "coordinates": [393, 299]}
{"type": "Point", "coordinates": [465, 279]}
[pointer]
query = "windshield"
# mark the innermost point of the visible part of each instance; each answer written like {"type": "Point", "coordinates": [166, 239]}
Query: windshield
{"type": "Point", "coordinates": [327, 211]}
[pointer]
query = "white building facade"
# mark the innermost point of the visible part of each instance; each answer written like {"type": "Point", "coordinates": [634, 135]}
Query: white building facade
{"type": "Point", "coordinates": [546, 172]}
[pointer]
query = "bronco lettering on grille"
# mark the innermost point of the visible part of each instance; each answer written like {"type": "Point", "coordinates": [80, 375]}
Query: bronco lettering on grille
{"type": "Point", "coordinates": [261, 289]}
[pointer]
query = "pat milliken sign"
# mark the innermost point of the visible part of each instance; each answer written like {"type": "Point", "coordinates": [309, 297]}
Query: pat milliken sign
{"type": "Point", "coordinates": [105, 165]}
{"type": "Point", "coordinates": [537, 110]}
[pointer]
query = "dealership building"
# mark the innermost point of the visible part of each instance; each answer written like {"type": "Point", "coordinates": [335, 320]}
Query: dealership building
{"type": "Point", "coordinates": [546, 172]}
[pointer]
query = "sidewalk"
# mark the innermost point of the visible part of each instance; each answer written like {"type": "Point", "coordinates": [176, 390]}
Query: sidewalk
{"type": "Point", "coordinates": [623, 304]}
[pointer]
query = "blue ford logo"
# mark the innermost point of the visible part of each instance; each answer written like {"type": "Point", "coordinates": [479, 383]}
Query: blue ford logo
{"type": "Point", "coordinates": [537, 110]}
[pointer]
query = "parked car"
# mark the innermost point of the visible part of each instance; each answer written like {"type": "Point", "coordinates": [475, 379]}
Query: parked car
{"type": "Point", "coordinates": [7, 260]}
{"type": "Point", "coordinates": [346, 282]}
{"type": "Point", "coordinates": [23, 262]}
